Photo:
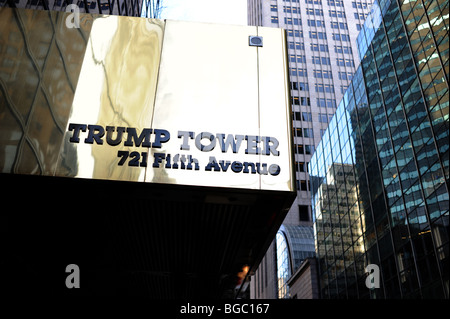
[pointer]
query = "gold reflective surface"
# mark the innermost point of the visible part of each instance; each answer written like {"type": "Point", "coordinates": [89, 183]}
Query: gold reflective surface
{"type": "Point", "coordinates": [40, 61]}
{"type": "Point", "coordinates": [274, 111]}
{"type": "Point", "coordinates": [201, 83]}
{"type": "Point", "coordinates": [116, 88]}
{"type": "Point", "coordinates": [208, 83]}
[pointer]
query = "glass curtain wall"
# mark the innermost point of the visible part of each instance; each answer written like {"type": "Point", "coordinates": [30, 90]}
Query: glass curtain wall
{"type": "Point", "coordinates": [380, 174]}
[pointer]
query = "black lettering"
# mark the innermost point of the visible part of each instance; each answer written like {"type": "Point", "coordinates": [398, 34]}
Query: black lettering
{"type": "Point", "coordinates": [224, 165]}
{"type": "Point", "coordinates": [109, 133]}
{"type": "Point", "coordinates": [144, 159]}
{"type": "Point", "coordinates": [185, 135]}
{"type": "Point", "coordinates": [263, 171]}
{"type": "Point", "coordinates": [205, 148]}
{"type": "Point", "coordinates": [192, 160]}
{"type": "Point", "coordinates": [168, 163]}
{"type": "Point", "coordinates": [135, 157]}
{"type": "Point", "coordinates": [252, 145]}
{"type": "Point", "coordinates": [76, 128]}
{"type": "Point", "coordinates": [246, 165]}
{"type": "Point", "coordinates": [124, 155]}
{"type": "Point", "coordinates": [212, 164]}
{"type": "Point", "coordinates": [236, 167]}
{"type": "Point", "coordinates": [158, 159]}
{"type": "Point", "coordinates": [235, 142]}
{"type": "Point", "coordinates": [96, 132]}
{"type": "Point", "coordinates": [274, 169]}
{"type": "Point", "coordinates": [161, 136]}
{"type": "Point", "coordinates": [175, 161]}
{"type": "Point", "coordinates": [132, 135]}
{"type": "Point", "coordinates": [270, 146]}
{"type": "Point", "coordinates": [182, 160]}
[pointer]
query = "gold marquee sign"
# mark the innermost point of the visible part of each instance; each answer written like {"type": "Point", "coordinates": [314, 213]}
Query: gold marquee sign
{"type": "Point", "coordinates": [144, 100]}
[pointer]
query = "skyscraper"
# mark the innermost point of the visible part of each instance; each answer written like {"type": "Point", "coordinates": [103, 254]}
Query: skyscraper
{"type": "Point", "coordinates": [380, 175]}
{"type": "Point", "coordinates": [323, 57]}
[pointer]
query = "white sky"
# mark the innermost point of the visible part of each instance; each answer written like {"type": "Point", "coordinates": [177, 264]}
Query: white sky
{"type": "Point", "coordinates": [211, 11]}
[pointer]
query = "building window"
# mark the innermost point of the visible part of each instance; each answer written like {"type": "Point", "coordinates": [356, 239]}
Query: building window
{"type": "Point", "coordinates": [295, 33]}
{"type": "Point", "coordinates": [336, 3]}
{"type": "Point", "coordinates": [322, 74]}
{"type": "Point", "coordinates": [308, 132]}
{"type": "Point", "coordinates": [337, 14]}
{"type": "Point", "coordinates": [345, 76]}
{"type": "Point", "coordinates": [316, 23]}
{"type": "Point", "coordinates": [296, 45]}
{"type": "Point", "coordinates": [323, 118]}
{"type": "Point", "coordinates": [345, 62]}
{"type": "Point", "coordinates": [360, 16]}
{"type": "Point", "coordinates": [306, 117]}
{"type": "Point", "coordinates": [273, 7]}
{"type": "Point", "coordinates": [274, 19]}
{"type": "Point", "coordinates": [339, 25]}
{"type": "Point", "coordinates": [303, 86]}
{"type": "Point", "coordinates": [294, 21]}
{"type": "Point", "coordinates": [303, 211]}
{"type": "Point", "coordinates": [298, 72]}
{"type": "Point", "coordinates": [317, 35]}
{"type": "Point", "coordinates": [341, 37]}
{"type": "Point", "coordinates": [342, 49]}
{"type": "Point", "coordinates": [283, 265]}
{"type": "Point", "coordinates": [319, 47]}
{"type": "Point", "coordinates": [303, 186]}
{"type": "Point", "coordinates": [309, 149]}
{"type": "Point", "coordinates": [289, 9]}
{"type": "Point", "coordinates": [297, 58]}
{"type": "Point", "coordinates": [331, 103]}
{"type": "Point", "coordinates": [305, 101]}
{"type": "Point", "coordinates": [302, 166]}
{"type": "Point", "coordinates": [359, 5]}
{"type": "Point", "coordinates": [318, 12]}
{"type": "Point", "coordinates": [319, 87]}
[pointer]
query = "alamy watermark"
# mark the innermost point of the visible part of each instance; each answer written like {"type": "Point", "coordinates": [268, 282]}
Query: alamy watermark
{"type": "Point", "coordinates": [373, 279]}
{"type": "Point", "coordinates": [73, 279]}
{"type": "Point", "coordinates": [73, 19]}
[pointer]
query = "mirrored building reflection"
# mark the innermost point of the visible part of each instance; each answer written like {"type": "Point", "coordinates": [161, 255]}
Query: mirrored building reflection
{"type": "Point", "coordinates": [380, 174]}
{"type": "Point", "coordinates": [294, 244]}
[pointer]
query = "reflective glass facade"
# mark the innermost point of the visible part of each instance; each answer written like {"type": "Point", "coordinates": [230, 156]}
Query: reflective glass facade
{"type": "Point", "coordinates": [294, 244]}
{"type": "Point", "coordinates": [380, 174]}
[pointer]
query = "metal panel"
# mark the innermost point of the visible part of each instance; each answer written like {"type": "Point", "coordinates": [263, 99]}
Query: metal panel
{"type": "Point", "coordinates": [40, 61]}
{"type": "Point", "coordinates": [274, 108]}
{"type": "Point", "coordinates": [208, 83]}
{"type": "Point", "coordinates": [115, 94]}
{"type": "Point", "coordinates": [206, 108]}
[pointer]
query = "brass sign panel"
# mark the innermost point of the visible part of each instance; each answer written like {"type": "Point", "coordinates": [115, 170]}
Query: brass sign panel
{"type": "Point", "coordinates": [145, 100]}
{"type": "Point", "coordinates": [116, 90]}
